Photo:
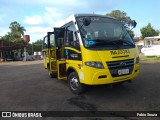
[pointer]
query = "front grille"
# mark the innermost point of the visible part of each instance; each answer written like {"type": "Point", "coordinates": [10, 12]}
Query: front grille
{"type": "Point", "coordinates": [120, 65]}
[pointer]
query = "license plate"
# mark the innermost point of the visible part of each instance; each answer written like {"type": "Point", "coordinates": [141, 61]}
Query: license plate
{"type": "Point", "coordinates": [123, 71]}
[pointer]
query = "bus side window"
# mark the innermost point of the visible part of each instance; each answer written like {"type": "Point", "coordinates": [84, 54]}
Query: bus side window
{"type": "Point", "coordinates": [72, 38]}
{"type": "Point", "coordinates": [45, 42]}
{"type": "Point", "coordinates": [52, 40]}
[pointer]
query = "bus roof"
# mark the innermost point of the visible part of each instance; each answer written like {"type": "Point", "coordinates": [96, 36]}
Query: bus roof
{"type": "Point", "coordinates": [73, 16]}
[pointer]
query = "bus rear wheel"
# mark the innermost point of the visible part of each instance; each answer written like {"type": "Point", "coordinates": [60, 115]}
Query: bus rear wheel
{"type": "Point", "coordinates": [74, 83]}
{"type": "Point", "coordinates": [51, 75]}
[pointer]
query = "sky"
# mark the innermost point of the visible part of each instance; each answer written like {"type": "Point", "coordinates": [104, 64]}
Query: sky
{"type": "Point", "coordinates": [40, 16]}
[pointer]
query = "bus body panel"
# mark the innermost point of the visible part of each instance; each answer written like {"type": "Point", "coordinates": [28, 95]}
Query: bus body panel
{"type": "Point", "coordinates": [45, 58]}
{"type": "Point", "coordinates": [92, 76]}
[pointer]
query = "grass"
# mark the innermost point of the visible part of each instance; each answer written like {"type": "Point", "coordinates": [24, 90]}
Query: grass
{"type": "Point", "coordinates": [142, 57]}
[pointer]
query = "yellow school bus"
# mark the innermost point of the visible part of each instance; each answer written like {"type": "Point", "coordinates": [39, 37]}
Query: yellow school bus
{"type": "Point", "coordinates": [90, 49]}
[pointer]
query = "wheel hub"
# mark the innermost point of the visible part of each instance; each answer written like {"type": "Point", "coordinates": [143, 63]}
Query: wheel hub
{"type": "Point", "coordinates": [74, 83]}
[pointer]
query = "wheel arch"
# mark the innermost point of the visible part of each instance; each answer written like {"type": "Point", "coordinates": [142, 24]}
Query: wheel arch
{"type": "Point", "coordinates": [81, 87]}
{"type": "Point", "coordinates": [70, 70]}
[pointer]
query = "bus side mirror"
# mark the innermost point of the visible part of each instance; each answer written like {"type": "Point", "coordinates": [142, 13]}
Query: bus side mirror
{"type": "Point", "coordinates": [134, 23]}
{"type": "Point", "coordinates": [86, 21]}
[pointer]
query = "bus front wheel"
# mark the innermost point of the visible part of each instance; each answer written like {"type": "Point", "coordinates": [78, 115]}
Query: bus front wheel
{"type": "Point", "coordinates": [74, 83]}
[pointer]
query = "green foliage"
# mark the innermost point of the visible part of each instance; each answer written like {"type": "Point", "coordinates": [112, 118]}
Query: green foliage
{"type": "Point", "coordinates": [15, 34]}
{"type": "Point", "coordinates": [39, 42]}
{"type": "Point", "coordinates": [122, 17]}
{"type": "Point", "coordinates": [37, 46]}
{"type": "Point", "coordinates": [29, 48]}
{"type": "Point", "coordinates": [6, 37]}
{"type": "Point", "coordinates": [148, 31]}
{"type": "Point", "coordinates": [16, 29]}
{"type": "Point", "coordinates": [131, 34]}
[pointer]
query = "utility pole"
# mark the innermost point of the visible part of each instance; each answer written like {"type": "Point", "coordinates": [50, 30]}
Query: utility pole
{"type": "Point", "coordinates": [32, 48]}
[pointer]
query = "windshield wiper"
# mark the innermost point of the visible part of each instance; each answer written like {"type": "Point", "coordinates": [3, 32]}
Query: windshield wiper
{"type": "Point", "coordinates": [115, 44]}
{"type": "Point", "coordinates": [124, 41]}
{"type": "Point", "coordinates": [128, 42]}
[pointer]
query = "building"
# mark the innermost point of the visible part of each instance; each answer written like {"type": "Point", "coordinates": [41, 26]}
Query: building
{"type": "Point", "coordinates": [139, 43]}
{"type": "Point", "coordinates": [151, 46]}
{"type": "Point", "coordinates": [6, 50]}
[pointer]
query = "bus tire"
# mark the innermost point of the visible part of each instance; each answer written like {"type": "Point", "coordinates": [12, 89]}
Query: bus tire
{"type": "Point", "coordinates": [51, 75]}
{"type": "Point", "coordinates": [74, 83]}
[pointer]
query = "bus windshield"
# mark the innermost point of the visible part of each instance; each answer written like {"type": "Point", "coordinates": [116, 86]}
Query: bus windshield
{"type": "Point", "coordinates": [104, 33]}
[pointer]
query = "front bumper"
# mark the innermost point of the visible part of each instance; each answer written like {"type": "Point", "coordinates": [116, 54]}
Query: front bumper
{"type": "Point", "coordinates": [103, 76]}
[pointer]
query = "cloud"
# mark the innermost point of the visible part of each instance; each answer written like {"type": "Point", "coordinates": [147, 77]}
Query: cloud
{"type": "Point", "coordinates": [37, 32]}
{"type": "Point", "coordinates": [38, 25]}
{"type": "Point", "coordinates": [33, 20]}
{"type": "Point", "coordinates": [45, 2]}
{"type": "Point", "coordinates": [69, 6]}
{"type": "Point", "coordinates": [48, 17]}
{"type": "Point", "coordinates": [40, 16]}
{"type": "Point", "coordinates": [3, 31]}
{"type": "Point", "coordinates": [51, 15]}
{"type": "Point", "coordinates": [54, 13]}
{"type": "Point", "coordinates": [38, 29]}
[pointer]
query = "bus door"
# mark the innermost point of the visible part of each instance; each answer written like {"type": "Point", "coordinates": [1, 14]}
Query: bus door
{"type": "Point", "coordinates": [61, 62]}
{"type": "Point", "coordinates": [52, 53]}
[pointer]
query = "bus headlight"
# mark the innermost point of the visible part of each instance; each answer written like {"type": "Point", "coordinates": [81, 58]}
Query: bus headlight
{"type": "Point", "coordinates": [95, 64]}
{"type": "Point", "coordinates": [137, 60]}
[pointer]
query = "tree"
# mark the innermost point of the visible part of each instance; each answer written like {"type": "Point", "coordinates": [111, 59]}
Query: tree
{"type": "Point", "coordinates": [37, 45]}
{"type": "Point", "coordinates": [131, 34]}
{"type": "Point", "coordinates": [29, 48]}
{"type": "Point", "coordinates": [17, 29]}
{"type": "Point", "coordinates": [16, 33]}
{"type": "Point", "coordinates": [122, 17]}
{"type": "Point", "coordinates": [148, 31]}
